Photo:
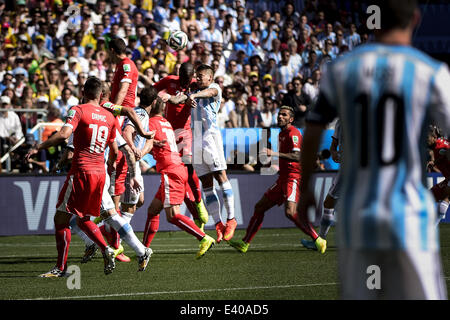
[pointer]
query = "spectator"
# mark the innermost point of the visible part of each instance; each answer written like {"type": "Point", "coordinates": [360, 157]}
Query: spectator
{"type": "Point", "coordinates": [238, 117]}
{"type": "Point", "coordinates": [299, 101]}
{"type": "Point", "coordinates": [253, 114]}
{"type": "Point", "coordinates": [54, 117]}
{"type": "Point", "coordinates": [10, 126]}
{"type": "Point", "coordinates": [266, 114]}
{"type": "Point", "coordinates": [285, 71]}
{"type": "Point", "coordinates": [64, 102]}
{"type": "Point", "coordinates": [311, 87]}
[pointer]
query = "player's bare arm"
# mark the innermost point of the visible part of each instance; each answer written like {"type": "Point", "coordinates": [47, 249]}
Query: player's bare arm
{"type": "Point", "coordinates": [113, 153]}
{"type": "Point", "coordinates": [292, 156]}
{"type": "Point", "coordinates": [128, 133]}
{"type": "Point", "coordinates": [56, 139]}
{"type": "Point", "coordinates": [131, 114]}
{"type": "Point", "coordinates": [123, 89]}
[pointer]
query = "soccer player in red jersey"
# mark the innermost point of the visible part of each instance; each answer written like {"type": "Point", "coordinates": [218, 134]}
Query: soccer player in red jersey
{"type": "Point", "coordinates": [179, 116]}
{"type": "Point", "coordinates": [285, 189]}
{"type": "Point", "coordinates": [94, 129]}
{"type": "Point", "coordinates": [174, 183]}
{"type": "Point", "coordinates": [440, 160]}
{"type": "Point", "coordinates": [123, 92]}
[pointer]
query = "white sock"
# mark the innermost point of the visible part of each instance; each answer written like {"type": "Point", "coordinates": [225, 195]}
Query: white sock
{"type": "Point", "coordinates": [325, 222]}
{"type": "Point", "coordinates": [442, 210]}
{"type": "Point", "coordinates": [213, 204]}
{"type": "Point", "coordinates": [76, 229]}
{"type": "Point", "coordinates": [126, 233]}
{"type": "Point", "coordinates": [228, 198]}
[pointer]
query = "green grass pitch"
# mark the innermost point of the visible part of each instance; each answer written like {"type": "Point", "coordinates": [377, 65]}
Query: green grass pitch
{"type": "Point", "coordinates": [276, 267]}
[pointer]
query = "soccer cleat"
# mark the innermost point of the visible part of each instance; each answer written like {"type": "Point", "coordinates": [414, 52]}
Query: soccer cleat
{"type": "Point", "coordinates": [118, 251]}
{"type": "Point", "coordinates": [89, 253]}
{"type": "Point", "coordinates": [143, 260]}
{"type": "Point", "coordinates": [321, 245]}
{"type": "Point", "coordinates": [54, 273]}
{"type": "Point", "coordinates": [220, 228]}
{"type": "Point", "coordinates": [308, 244]}
{"type": "Point", "coordinates": [229, 229]}
{"type": "Point", "coordinates": [199, 224]}
{"type": "Point", "coordinates": [108, 258]}
{"type": "Point", "coordinates": [239, 245]}
{"type": "Point", "coordinates": [122, 258]}
{"type": "Point", "coordinates": [205, 244]}
{"type": "Point", "coordinates": [202, 211]}
{"type": "Point", "coordinates": [98, 220]}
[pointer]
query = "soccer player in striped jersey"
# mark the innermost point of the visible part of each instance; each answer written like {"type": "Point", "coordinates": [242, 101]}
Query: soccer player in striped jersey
{"type": "Point", "coordinates": [208, 156]}
{"type": "Point", "coordinates": [385, 94]}
{"type": "Point", "coordinates": [333, 194]}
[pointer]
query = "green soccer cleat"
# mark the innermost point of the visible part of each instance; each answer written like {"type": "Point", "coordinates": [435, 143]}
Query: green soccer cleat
{"type": "Point", "coordinates": [118, 251]}
{"type": "Point", "coordinates": [321, 245]}
{"type": "Point", "coordinates": [308, 244]}
{"type": "Point", "coordinates": [199, 224]}
{"type": "Point", "coordinates": [98, 220]}
{"type": "Point", "coordinates": [239, 245]}
{"type": "Point", "coordinates": [205, 244]}
{"type": "Point", "coordinates": [203, 214]}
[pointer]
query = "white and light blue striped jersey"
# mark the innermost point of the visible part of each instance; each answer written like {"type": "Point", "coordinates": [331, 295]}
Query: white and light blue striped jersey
{"type": "Point", "coordinates": [205, 114]}
{"type": "Point", "coordinates": [143, 117]}
{"type": "Point", "coordinates": [385, 97]}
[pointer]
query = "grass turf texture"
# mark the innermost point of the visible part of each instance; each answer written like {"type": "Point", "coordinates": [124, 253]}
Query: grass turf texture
{"type": "Point", "coordinates": [276, 267]}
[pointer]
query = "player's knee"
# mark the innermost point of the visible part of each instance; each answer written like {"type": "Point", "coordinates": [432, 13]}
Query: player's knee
{"type": "Point", "coordinates": [290, 213]}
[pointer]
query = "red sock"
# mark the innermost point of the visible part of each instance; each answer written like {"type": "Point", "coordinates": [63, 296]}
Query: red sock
{"type": "Point", "coordinates": [253, 227]}
{"type": "Point", "coordinates": [151, 228]}
{"type": "Point", "coordinates": [112, 237]}
{"type": "Point", "coordinates": [63, 237]}
{"type": "Point", "coordinates": [92, 231]}
{"type": "Point", "coordinates": [186, 224]}
{"type": "Point", "coordinates": [194, 183]}
{"type": "Point", "coordinates": [304, 225]}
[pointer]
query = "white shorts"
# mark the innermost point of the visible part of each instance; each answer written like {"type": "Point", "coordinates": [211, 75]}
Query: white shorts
{"type": "Point", "coordinates": [208, 156]}
{"type": "Point", "coordinates": [129, 196]}
{"type": "Point", "coordinates": [391, 275]}
{"type": "Point", "coordinates": [107, 201]}
{"type": "Point", "coordinates": [335, 186]}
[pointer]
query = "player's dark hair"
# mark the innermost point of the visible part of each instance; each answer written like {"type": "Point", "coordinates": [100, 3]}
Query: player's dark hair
{"type": "Point", "coordinates": [395, 14]}
{"type": "Point", "coordinates": [158, 107]}
{"type": "Point", "coordinates": [186, 71]}
{"type": "Point", "coordinates": [204, 67]}
{"type": "Point", "coordinates": [147, 96]}
{"type": "Point", "coordinates": [118, 46]}
{"type": "Point", "coordinates": [92, 88]}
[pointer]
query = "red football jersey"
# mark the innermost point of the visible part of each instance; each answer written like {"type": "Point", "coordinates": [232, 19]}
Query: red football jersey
{"type": "Point", "coordinates": [93, 129]}
{"type": "Point", "coordinates": [168, 155]}
{"type": "Point", "coordinates": [289, 140]}
{"type": "Point", "coordinates": [179, 115]}
{"type": "Point", "coordinates": [126, 71]}
{"type": "Point", "coordinates": [440, 159]}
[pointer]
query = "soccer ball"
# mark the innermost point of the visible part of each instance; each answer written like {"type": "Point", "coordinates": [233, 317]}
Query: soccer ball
{"type": "Point", "coordinates": [178, 40]}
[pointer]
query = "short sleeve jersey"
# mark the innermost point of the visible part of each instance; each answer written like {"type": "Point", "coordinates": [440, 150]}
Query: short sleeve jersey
{"type": "Point", "coordinates": [166, 156]}
{"type": "Point", "coordinates": [126, 71]}
{"type": "Point", "coordinates": [289, 140]}
{"type": "Point", "coordinates": [440, 159]}
{"type": "Point", "coordinates": [93, 129]}
{"type": "Point", "coordinates": [179, 115]}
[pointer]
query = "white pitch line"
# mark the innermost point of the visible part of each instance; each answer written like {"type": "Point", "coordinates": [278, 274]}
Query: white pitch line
{"type": "Point", "coordinates": [188, 291]}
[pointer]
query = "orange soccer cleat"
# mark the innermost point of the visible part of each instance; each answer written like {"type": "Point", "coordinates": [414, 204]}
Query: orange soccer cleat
{"type": "Point", "coordinates": [229, 229]}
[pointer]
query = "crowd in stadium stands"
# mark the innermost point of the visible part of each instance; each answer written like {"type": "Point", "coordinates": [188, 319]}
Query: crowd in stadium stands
{"type": "Point", "coordinates": [265, 53]}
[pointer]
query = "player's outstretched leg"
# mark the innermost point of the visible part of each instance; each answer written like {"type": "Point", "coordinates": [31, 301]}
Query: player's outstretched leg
{"type": "Point", "coordinates": [90, 246]}
{"type": "Point", "coordinates": [303, 224]}
{"type": "Point", "coordinates": [152, 223]}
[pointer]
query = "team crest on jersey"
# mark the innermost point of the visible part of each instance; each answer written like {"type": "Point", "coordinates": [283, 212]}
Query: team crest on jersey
{"type": "Point", "coordinates": [295, 139]}
{"type": "Point", "coordinates": [71, 114]}
{"type": "Point", "coordinates": [126, 68]}
{"type": "Point", "coordinates": [108, 105]}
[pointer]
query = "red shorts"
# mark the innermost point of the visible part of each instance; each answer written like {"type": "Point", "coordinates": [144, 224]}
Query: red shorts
{"type": "Point", "coordinates": [174, 186]}
{"type": "Point", "coordinates": [441, 190]}
{"type": "Point", "coordinates": [284, 189]}
{"type": "Point", "coordinates": [121, 174]}
{"type": "Point", "coordinates": [82, 193]}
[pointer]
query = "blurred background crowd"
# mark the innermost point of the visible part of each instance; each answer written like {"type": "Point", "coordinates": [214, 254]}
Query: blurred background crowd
{"type": "Point", "coordinates": [265, 53]}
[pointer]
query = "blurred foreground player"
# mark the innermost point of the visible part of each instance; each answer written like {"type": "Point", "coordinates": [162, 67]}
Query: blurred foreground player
{"type": "Point", "coordinates": [285, 189]}
{"type": "Point", "coordinates": [384, 94]}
